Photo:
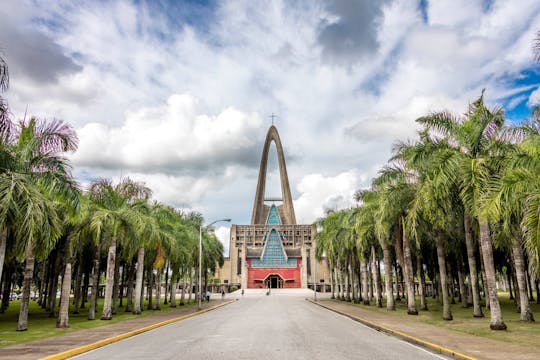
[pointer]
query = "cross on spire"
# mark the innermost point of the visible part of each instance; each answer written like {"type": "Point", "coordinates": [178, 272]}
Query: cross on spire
{"type": "Point", "coordinates": [273, 116]}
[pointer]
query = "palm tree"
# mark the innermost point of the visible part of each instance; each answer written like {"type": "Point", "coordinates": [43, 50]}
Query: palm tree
{"type": "Point", "coordinates": [117, 217]}
{"type": "Point", "coordinates": [514, 199]}
{"type": "Point", "coordinates": [327, 242]}
{"type": "Point", "coordinates": [396, 193]}
{"type": "Point", "coordinates": [371, 200]}
{"type": "Point", "coordinates": [32, 173]}
{"type": "Point", "coordinates": [476, 143]}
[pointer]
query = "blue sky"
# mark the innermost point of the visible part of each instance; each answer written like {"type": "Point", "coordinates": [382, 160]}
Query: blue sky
{"type": "Point", "coordinates": [518, 107]}
{"type": "Point", "coordinates": [178, 94]}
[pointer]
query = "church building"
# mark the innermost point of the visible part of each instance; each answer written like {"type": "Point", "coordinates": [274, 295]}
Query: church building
{"type": "Point", "coordinates": [273, 251]}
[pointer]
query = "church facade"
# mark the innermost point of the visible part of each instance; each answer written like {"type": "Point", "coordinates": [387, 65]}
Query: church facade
{"type": "Point", "coordinates": [273, 251]}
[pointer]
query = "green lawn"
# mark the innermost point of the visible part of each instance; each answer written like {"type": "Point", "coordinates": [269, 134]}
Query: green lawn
{"type": "Point", "coordinates": [518, 332]}
{"type": "Point", "coordinates": [41, 326]}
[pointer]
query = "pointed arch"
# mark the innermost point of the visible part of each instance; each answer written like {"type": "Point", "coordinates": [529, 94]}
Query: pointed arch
{"type": "Point", "coordinates": [286, 210]}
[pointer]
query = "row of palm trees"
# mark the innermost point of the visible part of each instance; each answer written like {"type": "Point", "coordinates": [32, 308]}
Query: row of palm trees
{"type": "Point", "coordinates": [50, 228]}
{"type": "Point", "coordinates": [461, 201]}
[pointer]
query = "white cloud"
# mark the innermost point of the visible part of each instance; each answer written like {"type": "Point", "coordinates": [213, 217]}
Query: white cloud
{"type": "Point", "coordinates": [319, 194]}
{"type": "Point", "coordinates": [183, 105]}
{"type": "Point", "coordinates": [223, 233]}
{"type": "Point", "coordinates": [175, 138]}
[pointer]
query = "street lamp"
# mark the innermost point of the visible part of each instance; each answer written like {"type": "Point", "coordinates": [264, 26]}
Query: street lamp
{"type": "Point", "coordinates": [201, 227]}
{"type": "Point", "coordinates": [315, 277]}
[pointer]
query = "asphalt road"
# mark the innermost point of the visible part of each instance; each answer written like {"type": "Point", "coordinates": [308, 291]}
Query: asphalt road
{"type": "Point", "coordinates": [263, 327]}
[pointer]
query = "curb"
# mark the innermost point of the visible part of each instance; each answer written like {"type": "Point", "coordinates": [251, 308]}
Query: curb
{"type": "Point", "coordinates": [85, 348]}
{"type": "Point", "coordinates": [409, 338]}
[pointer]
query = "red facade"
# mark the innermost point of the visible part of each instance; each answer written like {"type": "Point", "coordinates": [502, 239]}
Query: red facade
{"type": "Point", "coordinates": [290, 276]}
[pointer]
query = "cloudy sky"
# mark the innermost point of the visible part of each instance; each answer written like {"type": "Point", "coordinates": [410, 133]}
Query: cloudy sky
{"type": "Point", "coordinates": [179, 94]}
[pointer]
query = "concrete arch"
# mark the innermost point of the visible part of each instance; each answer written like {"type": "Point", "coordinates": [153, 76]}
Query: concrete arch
{"type": "Point", "coordinates": [286, 210]}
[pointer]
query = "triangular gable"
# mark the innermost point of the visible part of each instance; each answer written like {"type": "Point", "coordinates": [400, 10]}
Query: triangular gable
{"type": "Point", "coordinates": [274, 255]}
{"type": "Point", "coordinates": [273, 217]}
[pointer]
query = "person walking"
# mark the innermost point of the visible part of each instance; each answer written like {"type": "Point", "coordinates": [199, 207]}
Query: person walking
{"type": "Point", "coordinates": [208, 295]}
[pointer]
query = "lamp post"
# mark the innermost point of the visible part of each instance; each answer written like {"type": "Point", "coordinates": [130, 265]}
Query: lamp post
{"type": "Point", "coordinates": [315, 277]}
{"type": "Point", "coordinates": [315, 281]}
{"type": "Point", "coordinates": [201, 227]}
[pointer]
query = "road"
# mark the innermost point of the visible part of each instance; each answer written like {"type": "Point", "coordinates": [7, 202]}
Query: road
{"type": "Point", "coordinates": [280, 326]}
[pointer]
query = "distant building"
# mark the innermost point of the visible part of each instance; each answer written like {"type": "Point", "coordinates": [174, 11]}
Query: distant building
{"type": "Point", "coordinates": [273, 251]}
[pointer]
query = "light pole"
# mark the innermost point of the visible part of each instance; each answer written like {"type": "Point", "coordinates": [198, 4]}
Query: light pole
{"type": "Point", "coordinates": [201, 227]}
{"type": "Point", "coordinates": [315, 277]}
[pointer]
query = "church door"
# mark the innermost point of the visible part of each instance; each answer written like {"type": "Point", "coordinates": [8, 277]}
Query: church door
{"type": "Point", "coordinates": [274, 282]}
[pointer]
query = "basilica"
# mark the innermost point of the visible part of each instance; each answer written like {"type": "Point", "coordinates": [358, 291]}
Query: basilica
{"type": "Point", "coordinates": [273, 251]}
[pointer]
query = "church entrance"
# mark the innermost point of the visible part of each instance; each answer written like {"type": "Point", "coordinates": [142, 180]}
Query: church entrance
{"type": "Point", "coordinates": [273, 282]}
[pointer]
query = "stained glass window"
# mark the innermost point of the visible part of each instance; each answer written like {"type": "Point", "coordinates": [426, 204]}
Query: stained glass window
{"type": "Point", "coordinates": [274, 254]}
{"type": "Point", "coordinates": [273, 216]}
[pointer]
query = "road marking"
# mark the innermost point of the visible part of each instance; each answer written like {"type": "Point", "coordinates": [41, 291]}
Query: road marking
{"type": "Point", "coordinates": [409, 338]}
{"type": "Point", "coordinates": [85, 348]}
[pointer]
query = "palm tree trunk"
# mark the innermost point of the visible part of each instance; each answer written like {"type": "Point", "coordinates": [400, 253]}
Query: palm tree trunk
{"type": "Point", "coordinates": [184, 284]}
{"type": "Point", "coordinates": [537, 285]}
{"type": "Point", "coordinates": [166, 283]}
{"type": "Point", "coordinates": [123, 280]}
{"type": "Point", "coordinates": [50, 277]}
{"type": "Point", "coordinates": [370, 282]}
{"type": "Point", "coordinates": [77, 288]}
{"type": "Point", "coordinates": [174, 285]}
{"type": "Point", "coordinates": [363, 271]}
{"type": "Point", "coordinates": [525, 308]}
{"type": "Point", "coordinates": [450, 282]}
{"type": "Point", "coordinates": [398, 282]}
{"type": "Point", "coordinates": [6, 289]}
{"type": "Point", "coordinates": [376, 277]}
{"type": "Point", "coordinates": [473, 275]}
{"type": "Point", "coordinates": [517, 301]}
{"type": "Point", "coordinates": [510, 285]}
{"type": "Point", "coordinates": [462, 288]}
{"type": "Point", "coordinates": [529, 284]}
{"type": "Point", "coordinates": [139, 281]}
{"type": "Point", "coordinates": [409, 275]}
{"type": "Point", "coordinates": [3, 243]}
{"type": "Point", "coordinates": [347, 295]}
{"type": "Point", "coordinates": [421, 281]}
{"type": "Point", "coordinates": [43, 285]}
{"type": "Point", "coordinates": [54, 288]}
{"type": "Point", "coordinates": [141, 299]}
{"type": "Point", "coordinates": [341, 285]}
{"type": "Point", "coordinates": [497, 322]}
{"type": "Point", "coordinates": [22, 324]}
{"type": "Point", "coordinates": [109, 281]}
{"type": "Point", "coordinates": [354, 283]}
{"type": "Point", "coordinates": [390, 304]}
{"type": "Point", "coordinates": [447, 314]}
{"type": "Point", "coordinates": [334, 282]}
{"type": "Point", "coordinates": [95, 286]}
{"type": "Point", "coordinates": [157, 305]}
{"type": "Point", "coordinates": [63, 313]}
{"type": "Point", "coordinates": [469, 291]}
{"type": "Point", "coordinates": [398, 245]}
{"type": "Point", "coordinates": [190, 288]}
{"type": "Point", "coordinates": [86, 283]}
{"type": "Point", "coordinates": [116, 282]}
{"type": "Point", "coordinates": [129, 287]}
{"type": "Point", "coordinates": [150, 287]}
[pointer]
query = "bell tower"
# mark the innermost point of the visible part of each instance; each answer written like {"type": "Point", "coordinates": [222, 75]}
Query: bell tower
{"type": "Point", "coordinates": [286, 209]}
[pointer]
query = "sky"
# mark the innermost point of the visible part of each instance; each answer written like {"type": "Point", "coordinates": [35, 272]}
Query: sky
{"type": "Point", "coordinates": [179, 94]}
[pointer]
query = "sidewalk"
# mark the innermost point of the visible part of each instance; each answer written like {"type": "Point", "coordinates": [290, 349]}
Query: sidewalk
{"type": "Point", "coordinates": [472, 347]}
{"type": "Point", "coordinates": [57, 344]}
